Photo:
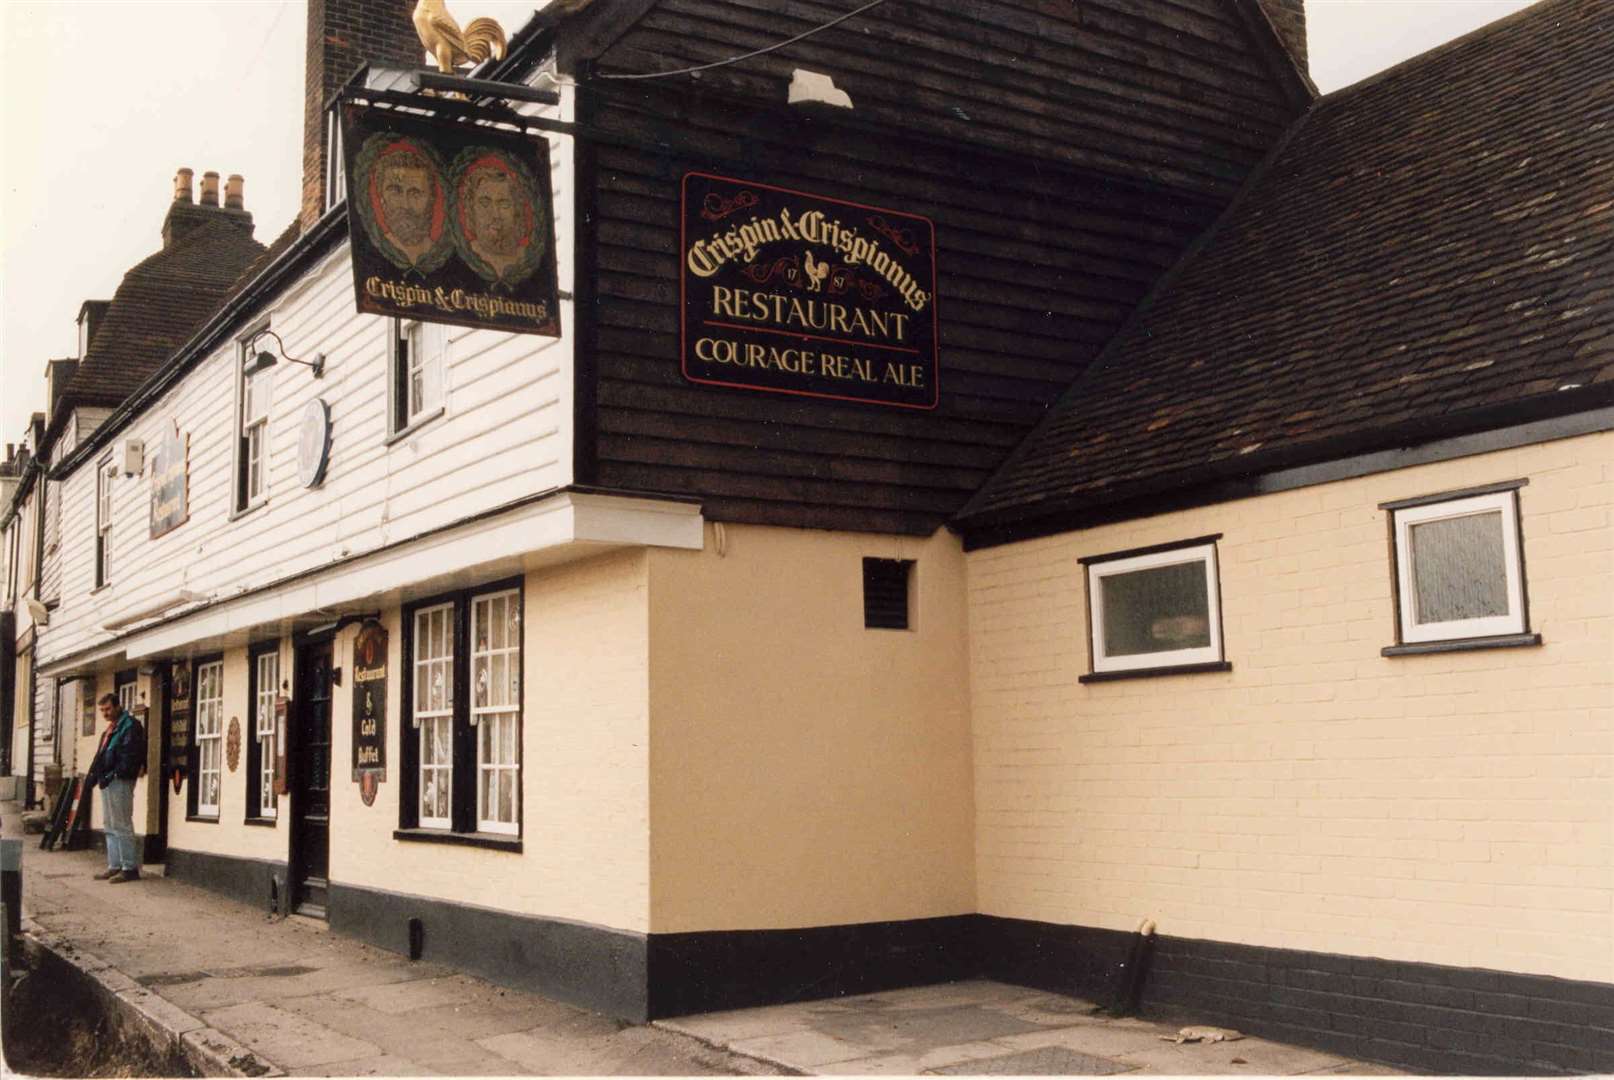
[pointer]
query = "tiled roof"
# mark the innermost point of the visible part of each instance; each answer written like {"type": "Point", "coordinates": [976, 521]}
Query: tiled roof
{"type": "Point", "coordinates": [160, 301]}
{"type": "Point", "coordinates": [1431, 246]}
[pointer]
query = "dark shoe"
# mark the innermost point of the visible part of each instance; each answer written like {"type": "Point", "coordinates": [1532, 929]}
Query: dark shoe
{"type": "Point", "coordinates": [105, 874]}
{"type": "Point", "coordinates": [123, 875]}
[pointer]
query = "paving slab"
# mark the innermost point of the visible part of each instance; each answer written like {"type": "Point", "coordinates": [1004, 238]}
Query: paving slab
{"type": "Point", "coordinates": [1047, 1061]}
{"type": "Point", "coordinates": [915, 1064]}
{"type": "Point", "coordinates": [289, 1040]}
{"type": "Point", "coordinates": [385, 1065]}
{"type": "Point", "coordinates": [983, 1028]}
{"type": "Point", "coordinates": [1247, 1055]}
{"type": "Point", "coordinates": [806, 1050]}
{"type": "Point", "coordinates": [401, 997]}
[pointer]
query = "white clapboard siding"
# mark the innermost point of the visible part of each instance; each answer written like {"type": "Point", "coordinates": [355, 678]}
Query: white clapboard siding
{"type": "Point", "coordinates": [505, 433]}
{"type": "Point", "coordinates": [50, 567]}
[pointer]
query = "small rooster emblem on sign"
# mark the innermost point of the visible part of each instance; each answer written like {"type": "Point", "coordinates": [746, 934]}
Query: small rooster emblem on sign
{"type": "Point", "coordinates": [816, 272]}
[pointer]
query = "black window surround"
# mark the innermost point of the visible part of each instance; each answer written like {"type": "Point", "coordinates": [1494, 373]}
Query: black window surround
{"type": "Point", "coordinates": [400, 423]}
{"type": "Point", "coordinates": [1506, 499]}
{"type": "Point", "coordinates": [463, 806]}
{"type": "Point", "coordinates": [242, 500]}
{"type": "Point", "coordinates": [105, 473]}
{"type": "Point", "coordinates": [193, 751]}
{"type": "Point", "coordinates": [254, 770]}
{"type": "Point", "coordinates": [1211, 657]}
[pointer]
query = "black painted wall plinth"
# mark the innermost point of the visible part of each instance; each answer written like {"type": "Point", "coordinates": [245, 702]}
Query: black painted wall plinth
{"type": "Point", "coordinates": [592, 966]}
{"type": "Point", "coordinates": [706, 972]}
{"type": "Point", "coordinates": [1427, 1017]}
{"type": "Point", "coordinates": [239, 878]}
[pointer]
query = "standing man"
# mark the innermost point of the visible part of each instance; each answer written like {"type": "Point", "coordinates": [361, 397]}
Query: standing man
{"type": "Point", "coordinates": [119, 762]}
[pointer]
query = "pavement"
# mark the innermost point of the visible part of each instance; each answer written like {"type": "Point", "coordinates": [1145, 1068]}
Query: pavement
{"type": "Point", "coordinates": [255, 996]}
{"type": "Point", "coordinates": [984, 1028]}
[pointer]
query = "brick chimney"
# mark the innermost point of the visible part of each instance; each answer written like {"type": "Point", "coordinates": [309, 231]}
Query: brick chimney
{"type": "Point", "coordinates": [57, 375]}
{"type": "Point", "coordinates": [185, 215]}
{"type": "Point", "coordinates": [342, 36]}
{"type": "Point", "coordinates": [1289, 16]}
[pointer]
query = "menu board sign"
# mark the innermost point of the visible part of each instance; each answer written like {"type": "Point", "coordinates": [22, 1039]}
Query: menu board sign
{"type": "Point", "coordinates": [370, 701]}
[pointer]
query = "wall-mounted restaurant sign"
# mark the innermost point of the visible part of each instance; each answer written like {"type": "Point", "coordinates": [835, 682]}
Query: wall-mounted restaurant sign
{"type": "Point", "coordinates": [170, 481]}
{"type": "Point", "coordinates": [370, 709]}
{"type": "Point", "coordinates": [801, 294]}
{"type": "Point", "coordinates": [450, 223]}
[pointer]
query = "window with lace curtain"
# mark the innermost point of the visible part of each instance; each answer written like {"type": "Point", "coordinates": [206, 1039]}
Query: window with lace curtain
{"type": "Point", "coordinates": [461, 745]}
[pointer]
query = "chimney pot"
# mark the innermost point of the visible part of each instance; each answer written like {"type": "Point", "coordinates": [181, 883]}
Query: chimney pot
{"type": "Point", "coordinates": [232, 192]}
{"type": "Point", "coordinates": [182, 185]}
{"type": "Point", "coordinates": [210, 188]}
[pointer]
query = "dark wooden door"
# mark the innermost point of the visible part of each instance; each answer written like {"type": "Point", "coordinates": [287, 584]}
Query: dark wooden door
{"type": "Point", "coordinates": [311, 781]}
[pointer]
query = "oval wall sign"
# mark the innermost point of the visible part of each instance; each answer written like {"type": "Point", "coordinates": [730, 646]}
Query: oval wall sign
{"type": "Point", "coordinates": [314, 443]}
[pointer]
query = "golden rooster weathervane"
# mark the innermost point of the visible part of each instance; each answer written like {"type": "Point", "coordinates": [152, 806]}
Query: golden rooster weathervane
{"type": "Point", "coordinates": [448, 44]}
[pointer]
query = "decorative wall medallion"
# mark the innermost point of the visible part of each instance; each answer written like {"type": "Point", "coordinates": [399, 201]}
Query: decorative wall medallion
{"type": "Point", "coordinates": [232, 744]}
{"type": "Point", "coordinates": [314, 443]}
{"type": "Point", "coordinates": [368, 783]}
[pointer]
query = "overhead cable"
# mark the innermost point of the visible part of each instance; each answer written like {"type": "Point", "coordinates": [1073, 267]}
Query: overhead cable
{"type": "Point", "coordinates": [754, 52]}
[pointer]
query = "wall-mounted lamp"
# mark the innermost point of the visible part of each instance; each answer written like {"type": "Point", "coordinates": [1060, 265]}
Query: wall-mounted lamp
{"type": "Point", "coordinates": [267, 359]}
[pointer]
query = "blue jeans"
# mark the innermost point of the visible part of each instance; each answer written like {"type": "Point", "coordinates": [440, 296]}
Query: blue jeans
{"type": "Point", "coordinates": [117, 805]}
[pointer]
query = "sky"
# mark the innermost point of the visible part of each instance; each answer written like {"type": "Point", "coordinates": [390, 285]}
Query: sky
{"type": "Point", "coordinates": [102, 101]}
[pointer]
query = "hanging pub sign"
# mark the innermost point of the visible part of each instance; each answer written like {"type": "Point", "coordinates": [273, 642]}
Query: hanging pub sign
{"type": "Point", "coordinates": [179, 724]}
{"type": "Point", "coordinates": [801, 294]}
{"type": "Point", "coordinates": [170, 482]}
{"type": "Point", "coordinates": [450, 222]}
{"type": "Point", "coordinates": [370, 708]}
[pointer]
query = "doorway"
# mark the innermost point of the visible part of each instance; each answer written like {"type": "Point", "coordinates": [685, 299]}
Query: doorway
{"type": "Point", "coordinates": [310, 781]}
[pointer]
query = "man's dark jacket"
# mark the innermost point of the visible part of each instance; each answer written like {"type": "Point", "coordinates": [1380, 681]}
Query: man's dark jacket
{"type": "Point", "coordinates": [123, 754]}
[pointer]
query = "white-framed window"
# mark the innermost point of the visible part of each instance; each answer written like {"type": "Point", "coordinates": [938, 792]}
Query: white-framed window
{"type": "Point", "coordinates": [496, 709]}
{"type": "Point", "coordinates": [209, 736]}
{"type": "Point", "coordinates": [105, 474]}
{"type": "Point", "coordinates": [1155, 608]}
{"type": "Point", "coordinates": [252, 455]}
{"type": "Point", "coordinates": [1459, 570]}
{"type": "Point", "coordinates": [128, 694]}
{"type": "Point", "coordinates": [464, 654]}
{"type": "Point", "coordinates": [265, 689]}
{"type": "Point", "coordinates": [418, 358]}
{"type": "Point", "coordinates": [432, 713]}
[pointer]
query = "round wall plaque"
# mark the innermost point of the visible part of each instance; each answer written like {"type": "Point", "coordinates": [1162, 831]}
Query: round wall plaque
{"type": "Point", "coordinates": [314, 443]}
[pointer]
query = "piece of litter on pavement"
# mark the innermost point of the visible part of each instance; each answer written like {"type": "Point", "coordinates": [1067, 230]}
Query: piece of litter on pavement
{"type": "Point", "coordinates": [1198, 1034]}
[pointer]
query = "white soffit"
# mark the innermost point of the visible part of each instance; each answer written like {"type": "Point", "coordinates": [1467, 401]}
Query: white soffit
{"type": "Point", "coordinates": [562, 528]}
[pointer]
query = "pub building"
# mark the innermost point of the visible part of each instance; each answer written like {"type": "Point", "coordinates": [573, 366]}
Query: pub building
{"type": "Point", "coordinates": [678, 530]}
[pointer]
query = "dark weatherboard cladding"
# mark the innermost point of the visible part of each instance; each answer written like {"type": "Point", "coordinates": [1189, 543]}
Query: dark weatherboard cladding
{"type": "Point", "coordinates": [799, 294]}
{"type": "Point", "coordinates": [1065, 157]}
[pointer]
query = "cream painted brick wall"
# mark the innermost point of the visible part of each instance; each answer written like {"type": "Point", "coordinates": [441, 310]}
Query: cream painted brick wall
{"type": "Point", "coordinates": [807, 771]}
{"type": "Point", "coordinates": [585, 782]}
{"type": "Point", "coordinates": [229, 835]}
{"type": "Point", "coordinates": [1451, 808]}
